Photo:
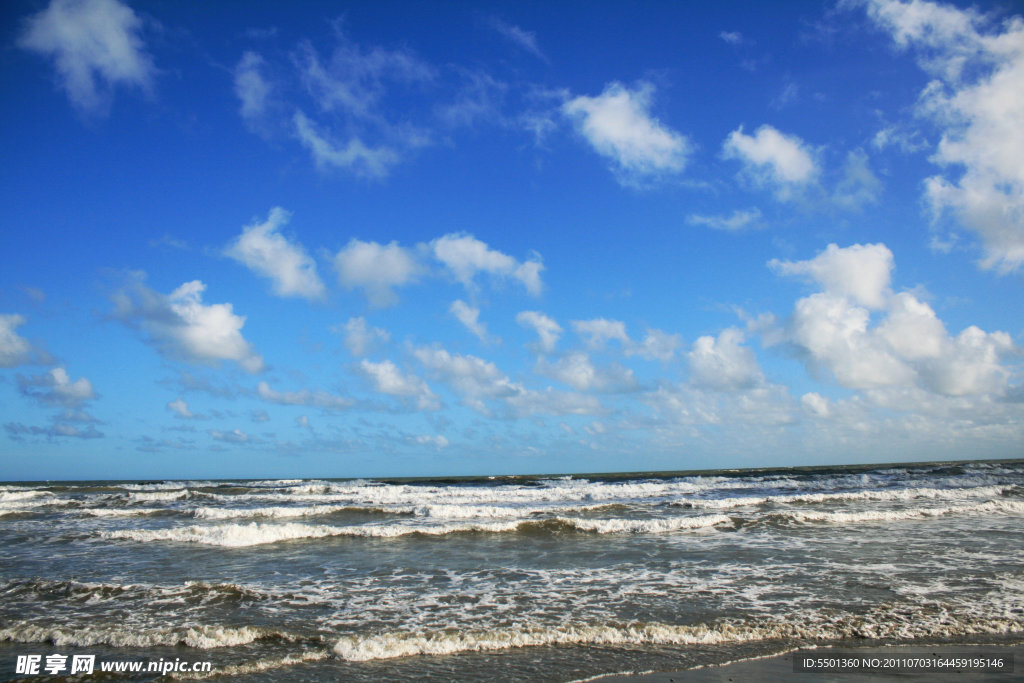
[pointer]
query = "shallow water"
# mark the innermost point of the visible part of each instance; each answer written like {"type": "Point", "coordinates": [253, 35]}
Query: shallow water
{"type": "Point", "coordinates": [509, 578]}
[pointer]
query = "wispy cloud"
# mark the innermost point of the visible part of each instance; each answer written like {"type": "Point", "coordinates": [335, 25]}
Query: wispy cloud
{"type": "Point", "coordinates": [95, 45]}
{"type": "Point", "coordinates": [524, 40]}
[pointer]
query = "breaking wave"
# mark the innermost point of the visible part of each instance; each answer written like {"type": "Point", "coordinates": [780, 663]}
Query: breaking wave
{"type": "Point", "coordinates": [905, 623]}
{"type": "Point", "coordinates": [256, 533]}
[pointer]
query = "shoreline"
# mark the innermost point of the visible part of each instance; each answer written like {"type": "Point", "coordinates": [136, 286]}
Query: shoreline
{"type": "Point", "coordinates": [779, 667]}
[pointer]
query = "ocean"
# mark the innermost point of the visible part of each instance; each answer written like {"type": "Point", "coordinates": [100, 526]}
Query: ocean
{"type": "Point", "coordinates": [550, 578]}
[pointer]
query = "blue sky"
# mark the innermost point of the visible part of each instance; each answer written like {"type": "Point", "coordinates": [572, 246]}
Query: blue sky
{"type": "Point", "coordinates": [396, 238]}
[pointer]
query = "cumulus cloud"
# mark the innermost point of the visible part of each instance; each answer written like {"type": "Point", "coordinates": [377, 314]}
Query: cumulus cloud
{"type": "Point", "coordinates": [465, 256]}
{"type": "Point", "coordinates": [469, 316]}
{"type": "Point", "coordinates": [546, 328]}
{"type": "Point", "coordinates": [95, 45]}
{"type": "Point", "coordinates": [388, 379]}
{"type": "Point", "coordinates": [376, 269]}
{"type": "Point", "coordinates": [360, 338]}
{"type": "Point", "coordinates": [578, 371]}
{"type": "Point", "coordinates": [772, 158]}
{"type": "Point", "coordinates": [723, 363]}
{"type": "Point", "coordinates": [861, 272]}
{"type": "Point", "coordinates": [181, 326]}
{"type": "Point", "coordinates": [473, 378]}
{"type": "Point", "coordinates": [14, 349]}
{"type": "Point", "coordinates": [262, 248]}
{"type": "Point", "coordinates": [618, 124]}
{"type": "Point", "coordinates": [815, 404]}
{"type": "Point", "coordinates": [599, 331]}
{"type": "Point", "coordinates": [977, 67]}
{"type": "Point", "coordinates": [657, 345]}
{"type": "Point", "coordinates": [906, 347]}
{"type": "Point", "coordinates": [56, 388]}
{"type": "Point", "coordinates": [318, 399]}
{"type": "Point", "coordinates": [737, 220]}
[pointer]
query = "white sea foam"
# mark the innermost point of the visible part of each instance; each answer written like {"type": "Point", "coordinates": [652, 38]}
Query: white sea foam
{"type": "Point", "coordinates": [907, 494]}
{"type": "Point", "coordinates": [992, 506]}
{"type": "Point", "coordinates": [21, 495]}
{"type": "Point", "coordinates": [120, 512]}
{"type": "Point", "coordinates": [172, 494]}
{"type": "Point", "coordinates": [904, 623]}
{"type": "Point", "coordinates": [258, 666]}
{"type": "Point", "coordinates": [203, 637]}
{"type": "Point", "coordinates": [272, 512]}
{"type": "Point", "coordinates": [256, 533]}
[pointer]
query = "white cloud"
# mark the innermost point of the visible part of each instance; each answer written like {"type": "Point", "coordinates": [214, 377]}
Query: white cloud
{"type": "Point", "coordinates": [469, 316]}
{"type": "Point", "coordinates": [835, 333]}
{"type": "Point", "coordinates": [977, 99]}
{"type": "Point", "coordinates": [181, 326]}
{"type": "Point", "coordinates": [360, 338]}
{"type": "Point", "coordinates": [317, 399]}
{"type": "Point", "coordinates": [465, 257]}
{"type": "Point", "coordinates": [772, 158]}
{"type": "Point", "coordinates": [354, 155]}
{"type": "Point", "coordinates": [657, 345]}
{"type": "Point", "coordinates": [737, 220]}
{"type": "Point", "coordinates": [56, 388]}
{"type": "Point", "coordinates": [376, 269]}
{"type": "Point", "coordinates": [723, 363]}
{"type": "Point", "coordinates": [14, 349]}
{"type": "Point", "coordinates": [578, 371]}
{"type": "Point", "coordinates": [475, 379]}
{"type": "Point", "coordinates": [731, 37]}
{"type": "Point", "coordinates": [600, 331]}
{"type": "Point", "coordinates": [618, 124]}
{"type": "Point", "coordinates": [861, 272]}
{"type": "Point", "coordinates": [388, 379]}
{"type": "Point", "coordinates": [180, 409]}
{"type": "Point", "coordinates": [263, 249]}
{"type": "Point", "coordinates": [95, 44]}
{"type": "Point", "coordinates": [815, 404]}
{"type": "Point", "coordinates": [908, 348]}
{"type": "Point", "coordinates": [547, 329]}
{"type": "Point", "coordinates": [251, 87]}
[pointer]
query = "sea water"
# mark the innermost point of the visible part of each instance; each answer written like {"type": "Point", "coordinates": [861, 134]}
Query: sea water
{"type": "Point", "coordinates": [509, 578]}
